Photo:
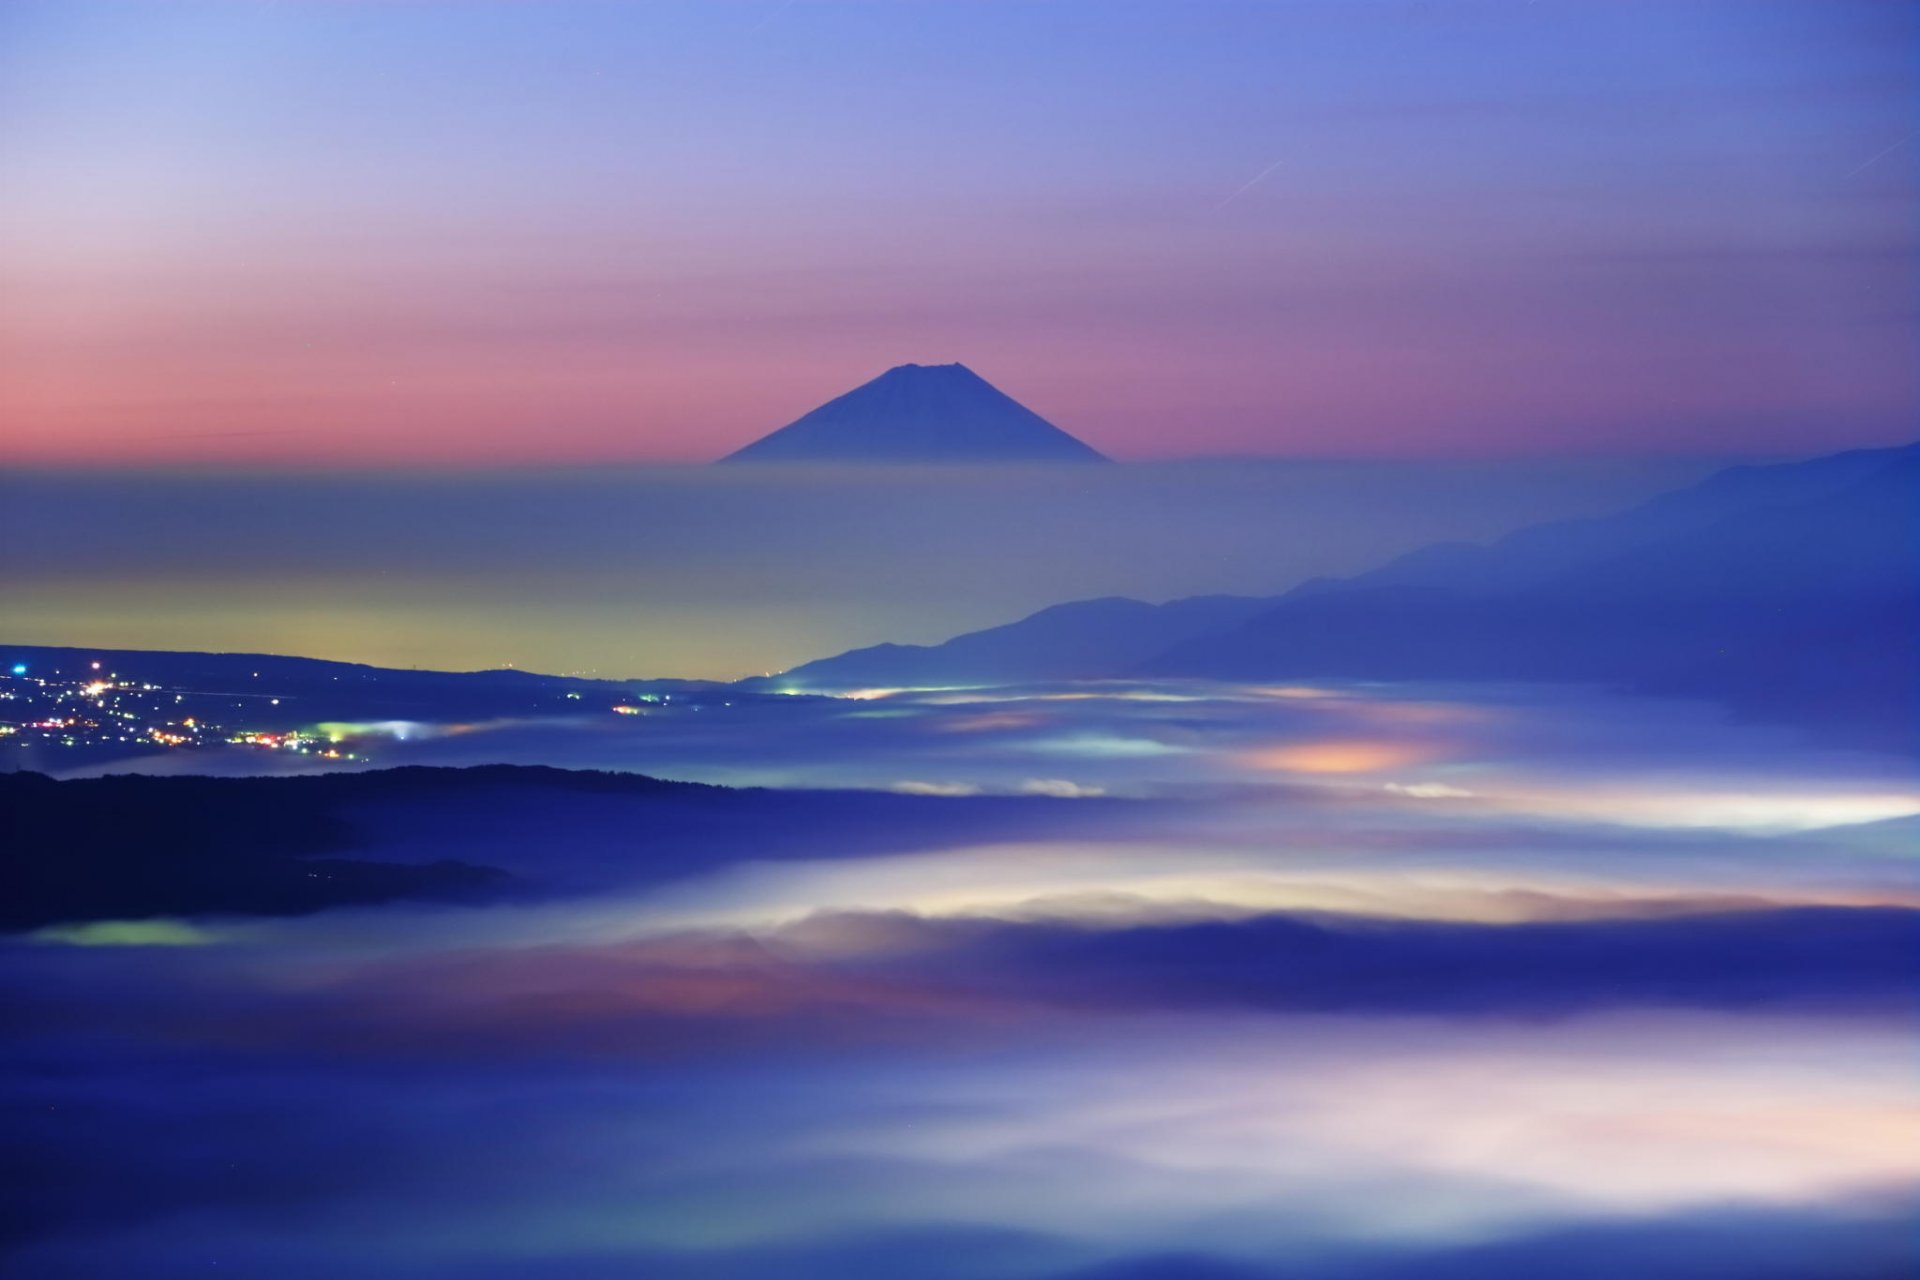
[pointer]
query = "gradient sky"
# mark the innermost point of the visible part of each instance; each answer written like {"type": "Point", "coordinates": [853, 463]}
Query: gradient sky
{"type": "Point", "coordinates": [478, 233]}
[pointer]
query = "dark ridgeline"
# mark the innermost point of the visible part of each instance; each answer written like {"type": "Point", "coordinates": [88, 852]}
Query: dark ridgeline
{"type": "Point", "coordinates": [232, 694]}
{"type": "Point", "coordinates": [1083, 639]}
{"type": "Point", "coordinates": [123, 848]}
{"type": "Point", "coordinates": [1788, 593]}
{"type": "Point", "coordinates": [131, 846]}
{"type": "Point", "coordinates": [920, 413]}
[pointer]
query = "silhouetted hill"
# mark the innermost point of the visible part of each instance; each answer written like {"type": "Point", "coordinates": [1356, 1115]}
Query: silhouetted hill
{"type": "Point", "coordinates": [919, 413]}
{"type": "Point", "coordinates": [131, 846]}
{"type": "Point", "coordinates": [1788, 592]}
{"type": "Point", "coordinates": [1539, 552]}
{"type": "Point", "coordinates": [1087, 638]}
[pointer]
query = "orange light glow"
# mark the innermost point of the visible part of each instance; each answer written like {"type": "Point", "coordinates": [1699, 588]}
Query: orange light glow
{"type": "Point", "coordinates": [1340, 756]}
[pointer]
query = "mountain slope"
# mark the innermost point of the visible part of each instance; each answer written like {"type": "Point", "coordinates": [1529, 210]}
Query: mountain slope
{"type": "Point", "coordinates": [1087, 638]}
{"type": "Point", "coordinates": [919, 413]}
{"type": "Point", "coordinates": [1539, 552]}
{"type": "Point", "coordinates": [1787, 592]}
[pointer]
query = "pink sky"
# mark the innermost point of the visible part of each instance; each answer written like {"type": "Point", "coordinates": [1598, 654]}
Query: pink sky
{"type": "Point", "coordinates": [367, 234]}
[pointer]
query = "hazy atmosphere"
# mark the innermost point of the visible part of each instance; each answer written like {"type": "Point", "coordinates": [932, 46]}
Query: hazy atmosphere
{"type": "Point", "coordinates": [707, 573]}
{"type": "Point", "coordinates": [959, 640]}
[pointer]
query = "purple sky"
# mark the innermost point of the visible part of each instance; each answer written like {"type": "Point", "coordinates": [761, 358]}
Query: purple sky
{"type": "Point", "coordinates": [461, 234]}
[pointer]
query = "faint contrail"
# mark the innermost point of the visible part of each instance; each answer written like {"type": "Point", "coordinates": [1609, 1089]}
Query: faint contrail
{"type": "Point", "coordinates": [1249, 185]}
{"type": "Point", "coordinates": [1884, 151]}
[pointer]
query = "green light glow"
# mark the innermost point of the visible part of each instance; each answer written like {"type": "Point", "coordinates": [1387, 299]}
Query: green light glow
{"type": "Point", "coordinates": [125, 933]}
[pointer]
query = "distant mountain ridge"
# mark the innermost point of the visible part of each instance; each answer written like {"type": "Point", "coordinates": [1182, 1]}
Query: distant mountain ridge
{"type": "Point", "coordinates": [1787, 592]}
{"type": "Point", "coordinates": [912, 413]}
{"type": "Point", "coordinates": [1084, 638]}
{"type": "Point", "coordinates": [314, 688]}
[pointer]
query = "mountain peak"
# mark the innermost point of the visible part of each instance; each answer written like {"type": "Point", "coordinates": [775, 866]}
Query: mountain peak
{"type": "Point", "coordinates": [920, 413]}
